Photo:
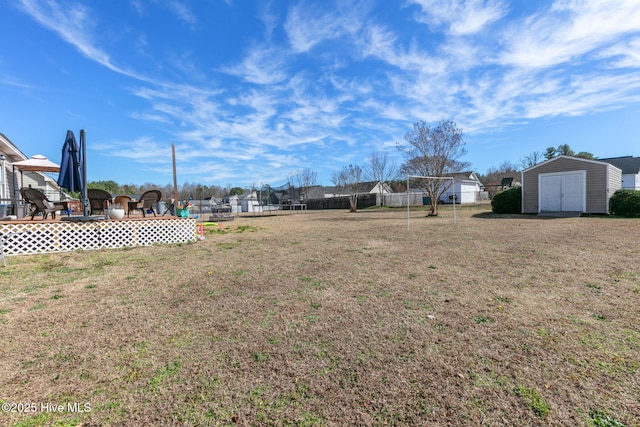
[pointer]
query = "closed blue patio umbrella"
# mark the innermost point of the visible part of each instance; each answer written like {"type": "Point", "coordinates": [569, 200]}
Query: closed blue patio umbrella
{"type": "Point", "coordinates": [70, 176]}
{"type": "Point", "coordinates": [73, 169]}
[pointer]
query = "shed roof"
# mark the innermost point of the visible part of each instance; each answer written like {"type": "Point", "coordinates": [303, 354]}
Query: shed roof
{"type": "Point", "coordinates": [628, 164]}
{"type": "Point", "coordinates": [581, 159]}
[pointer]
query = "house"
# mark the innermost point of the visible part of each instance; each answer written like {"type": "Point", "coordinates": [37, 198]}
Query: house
{"type": "Point", "coordinates": [250, 203]}
{"type": "Point", "coordinates": [378, 187]}
{"type": "Point", "coordinates": [467, 188]}
{"type": "Point", "coordinates": [9, 182]}
{"type": "Point", "coordinates": [569, 184]}
{"type": "Point", "coordinates": [12, 179]}
{"type": "Point", "coordinates": [630, 167]}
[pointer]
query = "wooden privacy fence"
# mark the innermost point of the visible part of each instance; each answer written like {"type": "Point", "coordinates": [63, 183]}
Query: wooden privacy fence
{"type": "Point", "coordinates": [65, 236]}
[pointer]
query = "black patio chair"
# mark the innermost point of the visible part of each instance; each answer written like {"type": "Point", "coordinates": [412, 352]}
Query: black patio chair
{"type": "Point", "coordinates": [99, 200]}
{"type": "Point", "coordinates": [40, 203]}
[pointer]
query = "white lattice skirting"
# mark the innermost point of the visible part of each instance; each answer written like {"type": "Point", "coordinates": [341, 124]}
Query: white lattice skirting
{"type": "Point", "coordinates": [65, 236]}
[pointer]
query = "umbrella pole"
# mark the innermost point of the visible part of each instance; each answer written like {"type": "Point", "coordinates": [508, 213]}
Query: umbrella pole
{"type": "Point", "coordinates": [16, 190]}
{"type": "Point", "coordinates": [83, 149]}
{"type": "Point", "coordinates": [175, 179]}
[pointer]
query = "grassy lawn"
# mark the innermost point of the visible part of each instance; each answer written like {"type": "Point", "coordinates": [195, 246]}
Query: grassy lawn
{"type": "Point", "coordinates": [331, 318]}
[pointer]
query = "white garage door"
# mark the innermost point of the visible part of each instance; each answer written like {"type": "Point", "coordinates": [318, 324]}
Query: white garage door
{"type": "Point", "coordinates": [562, 192]}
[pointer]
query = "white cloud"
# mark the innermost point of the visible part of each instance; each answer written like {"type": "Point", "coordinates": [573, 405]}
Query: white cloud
{"type": "Point", "coordinates": [461, 17]}
{"type": "Point", "coordinates": [262, 64]}
{"type": "Point", "coordinates": [269, 19]}
{"type": "Point", "coordinates": [307, 24]}
{"type": "Point", "coordinates": [138, 6]}
{"type": "Point", "coordinates": [75, 25]}
{"type": "Point", "coordinates": [10, 81]}
{"type": "Point", "coordinates": [143, 149]}
{"type": "Point", "coordinates": [585, 94]}
{"type": "Point", "coordinates": [624, 54]}
{"type": "Point", "coordinates": [543, 67]}
{"type": "Point", "coordinates": [382, 44]}
{"type": "Point", "coordinates": [158, 118]}
{"type": "Point", "coordinates": [568, 31]}
{"type": "Point", "coordinates": [179, 9]}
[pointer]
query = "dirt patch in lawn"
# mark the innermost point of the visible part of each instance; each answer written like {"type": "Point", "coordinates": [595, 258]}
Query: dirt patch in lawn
{"type": "Point", "coordinates": [332, 318]}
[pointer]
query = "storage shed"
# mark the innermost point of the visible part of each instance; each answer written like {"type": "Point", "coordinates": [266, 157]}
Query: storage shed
{"type": "Point", "coordinates": [569, 184]}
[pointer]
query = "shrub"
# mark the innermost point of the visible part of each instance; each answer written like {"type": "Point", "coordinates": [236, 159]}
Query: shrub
{"type": "Point", "coordinates": [508, 201]}
{"type": "Point", "coordinates": [625, 203]}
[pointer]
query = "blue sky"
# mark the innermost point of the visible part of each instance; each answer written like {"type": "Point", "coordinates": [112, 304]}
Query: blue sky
{"type": "Point", "coordinates": [250, 91]}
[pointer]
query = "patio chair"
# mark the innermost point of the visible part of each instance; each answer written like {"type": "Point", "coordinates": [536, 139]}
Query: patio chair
{"type": "Point", "coordinates": [124, 202]}
{"type": "Point", "coordinates": [99, 200]}
{"type": "Point", "coordinates": [41, 203]}
{"type": "Point", "coordinates": [147, 200]}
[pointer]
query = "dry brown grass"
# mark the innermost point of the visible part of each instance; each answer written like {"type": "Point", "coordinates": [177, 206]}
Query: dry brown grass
{"type": "Point", "coordinates": [332, 318]}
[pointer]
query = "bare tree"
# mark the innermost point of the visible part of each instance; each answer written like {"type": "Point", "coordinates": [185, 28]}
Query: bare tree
{"type": "Point", "coordinates": [304, 179]}
{"type": "Point", "coordinates": [433, 151]}
{"type": "Point", "coordinates": [493, 179]}
{"type": "Point", "coordinates": [379, 168]}
{"type": "Point", "coordinates": [495, 174]}
{"type": "Point", "coordinates": [531, 159]}
{"type": "Point", "coordinates": [348, 180]}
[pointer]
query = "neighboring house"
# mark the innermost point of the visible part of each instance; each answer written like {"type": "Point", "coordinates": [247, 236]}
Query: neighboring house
{"type": "Point", "coordinates": [630, 167]}
{"type": "Point", "coordinates": [506, 182]}
{"type": "Point", "coordinates": [378, 187]}
{"type": "Point", "coordinates": [250, 203]}
{"type": "Point", "coordinates": [467, 188]}
{"type": "Point", "coordinates": [569, 184]}
{"type": "Point", "coordinates": [12, 179]}
{"type": "Point", "coordinates": [493, 188]}
{"type": "Point", "coordinates": [9, 182]}
{"type": "Point", "coordinates": [234, 202]}
{"type": "Point", "coordinates": [246, 202]}
{"type": "Point", "coordinates": [318, 192]}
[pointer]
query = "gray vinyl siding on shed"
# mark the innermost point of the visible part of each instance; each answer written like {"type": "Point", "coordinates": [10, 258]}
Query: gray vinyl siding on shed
{"type": "Point", "coordinates": [603, 180]}
{"type": "Point", "coordinates": [615, 180]}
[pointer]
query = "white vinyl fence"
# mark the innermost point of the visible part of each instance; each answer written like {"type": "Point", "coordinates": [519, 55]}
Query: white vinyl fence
{"type": "Point", "coordinates": [396, 200]}
{"type": "Point", "coordinates": [33, 237]}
